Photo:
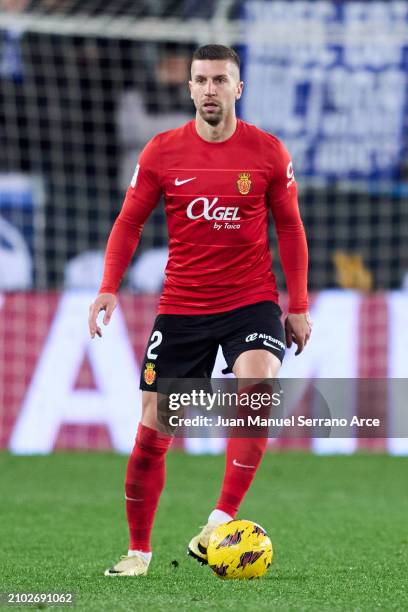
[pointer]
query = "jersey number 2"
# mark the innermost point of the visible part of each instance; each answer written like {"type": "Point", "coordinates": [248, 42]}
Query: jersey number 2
{"type": "Point", "coordinates": [156, 340]}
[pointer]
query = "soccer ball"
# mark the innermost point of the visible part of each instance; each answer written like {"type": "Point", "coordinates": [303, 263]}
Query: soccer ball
{"type": "Point", "coordinates": [239, 549]}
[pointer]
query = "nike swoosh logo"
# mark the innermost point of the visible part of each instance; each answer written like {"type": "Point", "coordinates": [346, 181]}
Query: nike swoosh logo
{"type": "Point", "coordinates": [177, 182]}
{"type": "Point", "coordinates": [235, 462]}
{"type": "Point", "coordinates": [266, 343]}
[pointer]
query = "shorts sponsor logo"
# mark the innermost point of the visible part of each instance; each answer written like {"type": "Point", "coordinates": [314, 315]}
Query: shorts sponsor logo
{"type": "Point", "coordinates": [244, 183]}
{"type": "Point", "coordinates": [251, 337]}
{"type": "Point", "coordinates": [149, 374]}
{"type": "Point", "coordinates": [267, 340]}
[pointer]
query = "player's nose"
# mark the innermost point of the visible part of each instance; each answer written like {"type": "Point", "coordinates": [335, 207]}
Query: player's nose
{"type": "Point", "coordinates": [210, 88]}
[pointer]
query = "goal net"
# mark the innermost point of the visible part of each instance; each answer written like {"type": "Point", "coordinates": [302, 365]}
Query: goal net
{"type": "Point", "coordinates": [85, 84]}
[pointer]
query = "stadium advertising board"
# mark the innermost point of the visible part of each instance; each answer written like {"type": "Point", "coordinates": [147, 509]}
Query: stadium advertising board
{"type": "Point", "coordinates": [60, 389]}
{"type": "Point", "coordinates": [341, 70]}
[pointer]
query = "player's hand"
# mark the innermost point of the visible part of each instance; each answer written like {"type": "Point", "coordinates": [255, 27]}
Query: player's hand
{"type": "Point", "coordinates": [298, 328]}
{"type": "Point", "coordinates": [106, 302]}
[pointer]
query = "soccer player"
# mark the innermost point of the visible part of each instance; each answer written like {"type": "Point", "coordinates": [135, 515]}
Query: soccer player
{"type": "Point", "coordinates": [220, 178]}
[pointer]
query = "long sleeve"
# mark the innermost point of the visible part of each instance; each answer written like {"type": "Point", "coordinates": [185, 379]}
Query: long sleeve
{"type": "Point", "coordinates": [282, 195]}
{"type": "Point", "coordinates": [141, 198]}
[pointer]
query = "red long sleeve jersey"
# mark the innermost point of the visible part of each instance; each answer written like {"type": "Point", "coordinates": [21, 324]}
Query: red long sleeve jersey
{"type": "Point", "coordinates": [217, 201]}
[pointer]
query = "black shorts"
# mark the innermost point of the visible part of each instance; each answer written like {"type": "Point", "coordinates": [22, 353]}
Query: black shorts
{"type": "Point", "coordinates": [186, 346]}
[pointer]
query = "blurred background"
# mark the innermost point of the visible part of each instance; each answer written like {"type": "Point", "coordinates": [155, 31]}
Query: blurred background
{"type": "Point", "coordinates": [83, 86]}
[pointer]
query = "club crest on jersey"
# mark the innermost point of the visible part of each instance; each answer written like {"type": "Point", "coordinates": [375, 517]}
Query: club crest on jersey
{"type": "Point", "coordinates": [149, 374]}
{"type": "Point", "coordinates": [244, 183]}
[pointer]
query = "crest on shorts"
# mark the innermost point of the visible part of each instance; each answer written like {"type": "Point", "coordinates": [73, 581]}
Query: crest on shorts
{"type": "Point", "coordinates": [149, 374]}
{"type": "Point", "coordinates": [244, 183]}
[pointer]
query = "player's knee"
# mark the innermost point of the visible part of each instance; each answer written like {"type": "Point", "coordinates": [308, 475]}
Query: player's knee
{"type": "Point", "coordinates": [257, 364]}
{"type": "Point", "coordinates": [149, 409]}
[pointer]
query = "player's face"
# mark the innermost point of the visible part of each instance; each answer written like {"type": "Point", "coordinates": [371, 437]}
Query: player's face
{"type": "Point", "coordinates": [214, 87]}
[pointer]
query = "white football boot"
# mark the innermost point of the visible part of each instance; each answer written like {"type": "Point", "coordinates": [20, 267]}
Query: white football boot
{"type": "Point", "coordinates": [135, 565]}
{"type": "Point", "coordinates": [199, 544]}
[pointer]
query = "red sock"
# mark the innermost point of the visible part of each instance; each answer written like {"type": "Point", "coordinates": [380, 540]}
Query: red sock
{"type": "Point", "coordinates": [242, 460]}
{"type": "Point", "coordinates": [243, 457]}
{"type": "Point", "coordinates": [144, 483]}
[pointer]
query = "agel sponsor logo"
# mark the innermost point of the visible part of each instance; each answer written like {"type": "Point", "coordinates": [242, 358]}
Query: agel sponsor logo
{"type": "Point", "coordinates": [202, 208]}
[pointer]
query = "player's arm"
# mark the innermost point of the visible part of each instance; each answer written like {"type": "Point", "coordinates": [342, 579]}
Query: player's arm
{"type": "Point", "coordinates": [141, 197]}
{"type": "Point", "coordinates": [283, 200]}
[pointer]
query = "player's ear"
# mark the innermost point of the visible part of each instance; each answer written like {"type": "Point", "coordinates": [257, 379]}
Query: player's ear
{"type": "Point", "coordinates": [240, 87]}
{"type": "Point", "coordinates": [190, 86]}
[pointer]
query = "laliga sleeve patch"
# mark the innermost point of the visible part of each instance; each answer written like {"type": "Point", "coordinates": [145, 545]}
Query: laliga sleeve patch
{"type": "Point", "coordinates": [290, 174]}
{"type": "Point", "coordinates": [134, 177]}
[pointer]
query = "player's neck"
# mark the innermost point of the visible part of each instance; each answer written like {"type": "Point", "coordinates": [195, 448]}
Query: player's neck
{"type": "Point", "coordinates": [217, 133]}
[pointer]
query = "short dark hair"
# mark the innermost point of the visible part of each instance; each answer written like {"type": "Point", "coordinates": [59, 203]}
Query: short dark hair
{"type": "Point", "coordinates": [216, 52]}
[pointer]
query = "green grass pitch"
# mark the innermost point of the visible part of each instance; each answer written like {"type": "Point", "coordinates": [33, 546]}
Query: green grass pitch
{"type": "Point", "coordinates": [339, 526]}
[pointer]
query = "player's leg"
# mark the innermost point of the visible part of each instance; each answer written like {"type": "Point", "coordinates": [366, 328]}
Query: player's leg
{"type": "Point", "coordinates": [261, 362]}
{"type": "Point", "coordinates": [144, 483]}
{"type": "Point", "coordinates": [256, 364]}
{"type": "Point", "coordinates": [178, 347]}
{"type": "Point", "coordinates": [145, 476]}
{"type": "Point", "coordinates": [244, 454]}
